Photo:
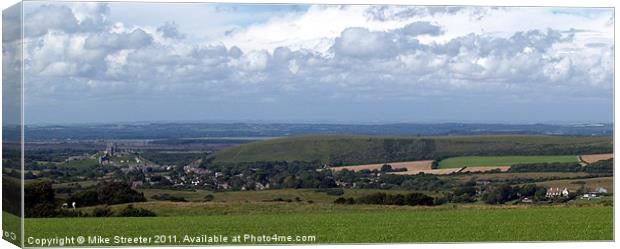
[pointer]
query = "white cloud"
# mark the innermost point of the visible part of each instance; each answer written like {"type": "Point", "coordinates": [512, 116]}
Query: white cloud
{"type": "Point", "coordinates": [359, 53]}
{"type": "Point", "coordinates": [360, 42]}
{"type": "Point", "coordinates": [118, 41]}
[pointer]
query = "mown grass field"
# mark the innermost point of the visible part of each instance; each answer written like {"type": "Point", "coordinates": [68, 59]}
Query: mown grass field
{"type": "Point", "coordinates": [463, 161]}
{"type": "Point", "coordinates": [376, 226]}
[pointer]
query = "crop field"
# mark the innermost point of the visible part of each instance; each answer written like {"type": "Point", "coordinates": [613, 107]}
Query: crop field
{"type": "Point", "coordinates": [595, 157]}
{"type": "Point", "coordinates": [412, 166]}
{"type": "Point", "coordinates": [463, 161]}
{"type": "Point", "coordinates": [377, 226]}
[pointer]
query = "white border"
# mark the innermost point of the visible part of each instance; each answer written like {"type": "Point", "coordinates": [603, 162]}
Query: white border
{"type": "Point", "coordinates": [539, 245]}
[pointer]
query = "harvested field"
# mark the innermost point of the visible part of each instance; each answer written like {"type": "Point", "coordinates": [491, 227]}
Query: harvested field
{"type": "Point", "coordinates": [485, 168]}
{"type": "Point", "coordinates": [428, 171]}
{"type": "Point", "coordinates": [410, 166]}
{"type": "Point", "coordinates": [595, 157]}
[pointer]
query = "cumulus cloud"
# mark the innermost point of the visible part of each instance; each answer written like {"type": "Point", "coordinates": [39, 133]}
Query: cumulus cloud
{"type": "Point", "coordinates": [386, 12]}
{"type": "Point", "coordinates": [171, 30]}
{"type": "Point", "coordinates": [360, 42]}
{"type": "Point", "coordinates": [422, 28]}
{"type": "Point", "coordinates": [50, 17]}
{"type": "Point", "coordinates": [88, 17]}
{"type": "Point", "coordinates": [116, 41]}
{"type": "Point", "coordinates": [380, 53]}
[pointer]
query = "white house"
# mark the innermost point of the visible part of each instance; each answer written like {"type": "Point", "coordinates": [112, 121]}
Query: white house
{"type": "Point", "coordinates": [556, 192]}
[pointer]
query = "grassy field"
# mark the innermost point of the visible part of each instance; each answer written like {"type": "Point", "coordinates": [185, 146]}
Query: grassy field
{"type": "Point", "coordinates": [376, 226]}
{"type": "Point", "coordinates": [11, 224]}
{"type": "Point", "coordinates": [303, 195]}
{"type": "Point", "coordinates": [462, 161]}
{"type": "Point", "coordinates": [80, 164]}
{"type": "Point", "coordinates": [353, 150]}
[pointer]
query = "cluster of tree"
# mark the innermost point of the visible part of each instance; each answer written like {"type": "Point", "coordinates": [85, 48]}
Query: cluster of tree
{"type": "Point", "coordinates": [108, 193]}
{"type": "Point", "coordinates": [420, 182]}
{"type": "Point", "coordinates": [411, 199]}
{"type": "Point", "coordinates": [278, 174]}
{"type": "Point", "coordinates": [388, 168]}
{"type": "Point", "coordinates": [600, 167]}
{"type": "Point", "coordinates": [463, 194]}
{"type": "Point", "coordinates": [11, 157]}
{"type": "Point", "coordinates": [40, 201]}
{"type": "Point", "coordinates": [546, 167]}
{"type": "Point", "coordinates": [13, 173]}
{"type": "Point", "coordinates": [503, 193]}
{"type": "Point", "coordinates": [40, 198]}
{"type": "Point", "coordinates": [368, 179]}
{"type": "Point", "coordinates": [11, 195]}
{"type": "Point", "coordinates": [604, 166]}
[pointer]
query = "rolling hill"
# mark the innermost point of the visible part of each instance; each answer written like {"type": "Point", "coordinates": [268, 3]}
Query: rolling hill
{"type": "Point", "coordinates": [355, 149]}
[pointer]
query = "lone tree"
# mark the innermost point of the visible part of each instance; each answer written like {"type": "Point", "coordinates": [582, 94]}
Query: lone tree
{"type": "Point", "coordinates": [386, 168]}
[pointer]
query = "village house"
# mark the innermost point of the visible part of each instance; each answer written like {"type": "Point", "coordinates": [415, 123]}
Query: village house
{"type": "Point", "coordinates": [260, 186]}
{"type": "Point", "coordinates": [556, 192]}
{"type": "Point", "coordinates": [136, 184]}
{"type": "Point", "coordinates": [527, 200]}
{"type": "Point", "coordinates": [594, 194]}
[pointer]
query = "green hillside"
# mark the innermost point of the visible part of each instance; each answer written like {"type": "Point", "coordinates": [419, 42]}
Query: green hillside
{"type": "Point", "coordinates": [350, 149]}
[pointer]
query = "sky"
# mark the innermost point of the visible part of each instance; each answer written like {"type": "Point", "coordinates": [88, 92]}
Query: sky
{"type": "Point", "coordinates": [123, 62]}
